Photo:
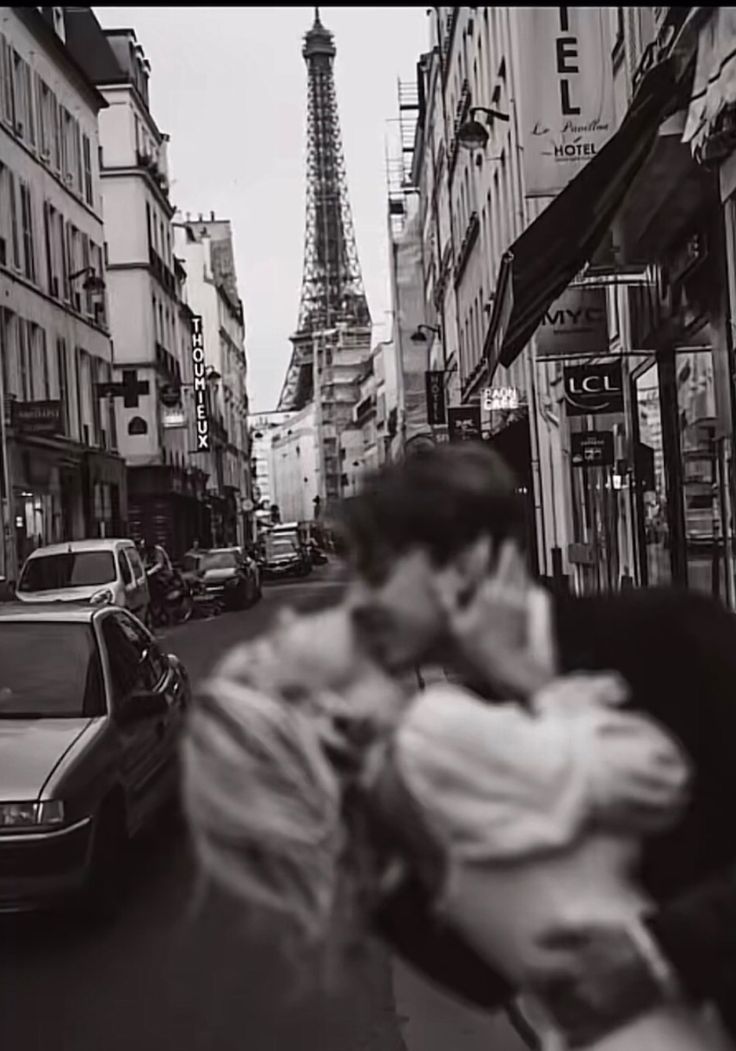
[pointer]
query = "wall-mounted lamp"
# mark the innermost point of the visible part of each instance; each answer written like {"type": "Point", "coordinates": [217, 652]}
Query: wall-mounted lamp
{"type": "Point", "coordinates": [418, 335]}
{"type": "Point", "coordinates": [472, 135]}
{"type": "Point", "coordinates": [92, 283]}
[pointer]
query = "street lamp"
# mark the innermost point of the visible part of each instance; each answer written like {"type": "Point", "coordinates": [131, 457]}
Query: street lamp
{"type": "Point", "coordinates": [472, 135]}
{"type": "Point", "coordinates": [418, 335]}
{"type": "Point", "coordinates": [93, 282]}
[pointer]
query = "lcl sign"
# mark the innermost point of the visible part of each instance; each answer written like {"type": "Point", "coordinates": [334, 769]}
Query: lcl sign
{"type": "Point", "coordinates": [591, 390]}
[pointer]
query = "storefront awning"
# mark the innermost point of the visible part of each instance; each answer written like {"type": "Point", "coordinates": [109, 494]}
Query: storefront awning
{"type": "Point", "coordinates": [714, 86]}
{"type": "Point", "coordinates": [554, 248]}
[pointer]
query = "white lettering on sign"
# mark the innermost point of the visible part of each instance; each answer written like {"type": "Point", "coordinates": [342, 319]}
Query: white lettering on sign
{"type": "Point", "coordinates": [594, 385]}
{"type": "Point", "coordinates": [501, 399]}
{"type": "Point", "coordinates": [200, 386]}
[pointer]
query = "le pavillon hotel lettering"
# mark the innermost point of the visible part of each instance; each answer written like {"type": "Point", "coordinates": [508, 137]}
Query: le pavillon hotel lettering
{"type": "Point", "coordinates": [591, 390]}
{"type": "Point", "coordinates": [200, 387]}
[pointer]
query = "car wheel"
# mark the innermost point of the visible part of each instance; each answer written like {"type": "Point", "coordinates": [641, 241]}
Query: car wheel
{"type": "Point", "coordinates": [106, 882]}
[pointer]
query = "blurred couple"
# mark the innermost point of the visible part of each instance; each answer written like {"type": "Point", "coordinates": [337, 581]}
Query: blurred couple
{"type": "Point", "coordinates": [538, 828]}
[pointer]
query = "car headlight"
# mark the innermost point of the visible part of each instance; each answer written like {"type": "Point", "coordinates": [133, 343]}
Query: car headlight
{"type": "Point", "coordinates": [102, 598]}
{"type": "Point", "coordinates": [32, 814]}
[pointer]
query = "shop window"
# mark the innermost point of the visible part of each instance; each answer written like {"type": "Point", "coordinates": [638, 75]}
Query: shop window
{"type": "Point", "coordinates": [137, 426]}
{"type": "Point", "coordinates": [651, 481]}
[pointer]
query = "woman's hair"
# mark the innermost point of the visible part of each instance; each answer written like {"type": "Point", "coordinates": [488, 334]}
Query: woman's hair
{"type": "Point", "coordinates": [267, 759]}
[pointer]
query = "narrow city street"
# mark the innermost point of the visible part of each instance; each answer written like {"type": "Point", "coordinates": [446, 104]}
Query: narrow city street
{"type": "Point", "coordinates": [178, 971]}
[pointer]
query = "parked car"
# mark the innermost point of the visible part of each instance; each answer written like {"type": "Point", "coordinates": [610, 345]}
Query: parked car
{"type": "Point", "coordinates": [94, 571]}
{"type": "Point", "coordinates": [284, 556]}
{"type": "Point", "coordinates": [90, 715]}
{"type": "Point", "coordinates": [231, 577]}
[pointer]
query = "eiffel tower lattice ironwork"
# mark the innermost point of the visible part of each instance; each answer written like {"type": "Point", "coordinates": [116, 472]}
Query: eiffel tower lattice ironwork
{"type": "Point", "coordinates": [332, 284]}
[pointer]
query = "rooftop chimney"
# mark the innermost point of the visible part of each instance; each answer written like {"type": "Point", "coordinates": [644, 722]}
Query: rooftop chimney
{"type": "Point", "coordinates": [212, 217]}
{"type": "Point", "coordinates": [200, 217]}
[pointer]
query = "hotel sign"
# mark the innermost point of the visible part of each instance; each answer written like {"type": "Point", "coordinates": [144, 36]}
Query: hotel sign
{"type": "Point", "coordinates": [568, 112]}
{"type": "Point", "coordinates": [436, 409]}
{"type": "Point", "coordinates": [202, 422]}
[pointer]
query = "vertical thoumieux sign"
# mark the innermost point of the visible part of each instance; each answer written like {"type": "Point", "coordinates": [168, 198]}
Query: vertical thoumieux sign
{"type": "Point", "coordinates": [567, 112]}
{"type": "Point", "coordinates": [200, 387]}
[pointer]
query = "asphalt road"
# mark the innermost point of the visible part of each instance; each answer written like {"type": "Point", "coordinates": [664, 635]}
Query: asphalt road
{"type": "Point", "coordinates": [180, 969]}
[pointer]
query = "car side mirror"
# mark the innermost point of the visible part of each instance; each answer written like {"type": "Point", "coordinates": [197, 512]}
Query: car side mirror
{"type": "Point", "coordinates": [144, 704]}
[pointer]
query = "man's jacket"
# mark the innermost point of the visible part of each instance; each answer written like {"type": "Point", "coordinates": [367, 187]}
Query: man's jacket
{"type": "Point", "coordinates": [677, 651]}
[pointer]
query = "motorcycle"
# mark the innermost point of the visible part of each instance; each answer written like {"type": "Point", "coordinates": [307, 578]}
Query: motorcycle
{"type": "Point", "coordinates": [172, 601]}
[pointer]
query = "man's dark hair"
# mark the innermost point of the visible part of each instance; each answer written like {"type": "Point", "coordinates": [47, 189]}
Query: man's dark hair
{"type": "Point", "coordinates": [442, 499]}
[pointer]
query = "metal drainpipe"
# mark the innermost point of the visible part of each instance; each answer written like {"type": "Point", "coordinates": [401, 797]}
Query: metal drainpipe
{"type": "Point", "coordinates": [530, 363]}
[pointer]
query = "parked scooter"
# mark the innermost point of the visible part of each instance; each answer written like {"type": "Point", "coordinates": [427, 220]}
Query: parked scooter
{"type": "Point", "coordinates": [172, 601]}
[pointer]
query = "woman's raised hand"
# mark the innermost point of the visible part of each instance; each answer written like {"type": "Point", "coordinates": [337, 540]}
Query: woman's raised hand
{"type": "Point", "coordinates": [504, 631]}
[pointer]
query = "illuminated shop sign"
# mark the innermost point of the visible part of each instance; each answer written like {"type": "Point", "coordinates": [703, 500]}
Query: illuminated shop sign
{"type": "Point", "coordinates": [201, 416]}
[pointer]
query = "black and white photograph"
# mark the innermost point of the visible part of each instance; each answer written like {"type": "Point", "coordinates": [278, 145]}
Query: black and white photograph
{"type": "Point", "coordinates": [367, 528]}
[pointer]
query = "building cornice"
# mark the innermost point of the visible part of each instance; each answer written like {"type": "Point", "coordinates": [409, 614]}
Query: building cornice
{"type": "Point", "coordinates": [34, 21]}
{"type": "Point", "coordinates": [143, 173]}
{"type": "Point", "coordinates": [125, 85]}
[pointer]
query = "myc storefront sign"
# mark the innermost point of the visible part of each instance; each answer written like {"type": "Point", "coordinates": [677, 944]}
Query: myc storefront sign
{"type": "Point", "coordinates": [576, 323]}
{"type": "Point", "coordinates": [591, 390]}
{"type": "Point", "coordinates": [568, 82]}
{"type": "Point", "coordinates": [200, 387]}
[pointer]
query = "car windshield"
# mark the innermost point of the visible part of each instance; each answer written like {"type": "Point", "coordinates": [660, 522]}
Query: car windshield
{"type": "Point", "coordinates": [219, 560]}
{"type": "Point", "coordinates": [72, 569]}
{"type": "Point", "coordinates": [48, 670]}
{"type": "Point", "coordinates": [191, 563]}
{"type": "Point", "coordinates": [284, 545]}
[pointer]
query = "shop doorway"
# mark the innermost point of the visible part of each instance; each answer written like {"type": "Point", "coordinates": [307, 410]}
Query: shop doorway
{"type": "Point", "coordinates": [681, 475]}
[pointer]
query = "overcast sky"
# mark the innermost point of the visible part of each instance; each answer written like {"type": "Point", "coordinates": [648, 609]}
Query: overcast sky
{"type": "Point", "coordinates": [229, 86]}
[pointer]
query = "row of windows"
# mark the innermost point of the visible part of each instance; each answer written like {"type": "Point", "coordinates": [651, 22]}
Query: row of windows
{"type": "Point", "coordinates": [159, 236]}
{"type": "Point", "coordinates": [47, 249]}
{"type": "Point", "coordinates": [39, 367]}
{"type": "Point", "coordinates": [163, 322]}
{"type": "Point", "coordinates": [33, 113]}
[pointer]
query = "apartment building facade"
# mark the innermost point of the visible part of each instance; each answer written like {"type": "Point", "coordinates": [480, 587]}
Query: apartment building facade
{"type": "Point", "coordinates": [62, 477]}
{"type": "Point", "coordinates": [205, 247]}
{"type": "Point", "coordinates": [149, 318]}
{"type": "Point", "coordinates": [547, 140]}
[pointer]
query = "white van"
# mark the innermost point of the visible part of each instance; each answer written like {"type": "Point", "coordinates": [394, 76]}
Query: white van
{"type": "Point", "coordinates": [96, 571]}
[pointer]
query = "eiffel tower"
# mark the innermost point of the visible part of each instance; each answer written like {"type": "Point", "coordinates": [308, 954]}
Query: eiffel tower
{"type": "Point", "coordinates": [332, 299]}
